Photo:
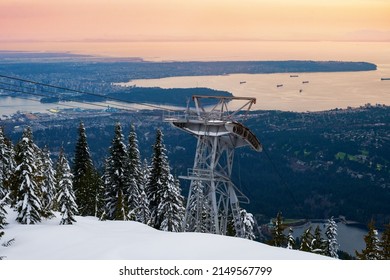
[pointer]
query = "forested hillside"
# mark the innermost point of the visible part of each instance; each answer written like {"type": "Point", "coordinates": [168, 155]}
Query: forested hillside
{"type": "Point", "coordinates": [314, 165]}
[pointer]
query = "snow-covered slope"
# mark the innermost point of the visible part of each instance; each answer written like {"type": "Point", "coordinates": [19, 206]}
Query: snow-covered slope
{"type": "Point", "coordinates": [91, 239]}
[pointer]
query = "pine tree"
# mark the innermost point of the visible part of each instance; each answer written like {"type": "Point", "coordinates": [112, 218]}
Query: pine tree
{"type": "Point", "coordinates": [290, 239]}
{"type": "Point", "coordinates": [143, 213]}
{"type": "Point", "coordinates": [3, 214]}
{"type": "Point", "coordinates": [385, 243]}
{"type": "Point", "coordinates": [372, 250]}
{"type": "Point", "coordinates": [48, 183]}
{"type": "Point", "coordinates": [306, 240]}
{"type": "Point", "coordinates": [143, 207]}
{"type": "Point", "coordinates": [65, 197]}
{"type": "Point", "coordinates": [134, 186]}
{"type": "Point", "coordinates": [318, 243]}
{"type": "Point", "coordinates": [248, 224]}
{"type": "Point", "coordinates": [115, 179]}
{"type": "Point", "coordinates": [158, 179]}
{"type": "Point", "coordinates": [199, 206]}
{"type": "Point", "coordinates": [170, 209]}
{"type": "Point", "coordinates": [3, 191]}
{"type": "Point", "coordinates": [278, 237]}
{"type": "Point", "coordinates": [7, 164]}
{"type": "Point", "coordinates": [331, 245]}
{"type": "Point", "coordinates": [28, 202]}
{"type": "Point", "coordinates": [86, 181]}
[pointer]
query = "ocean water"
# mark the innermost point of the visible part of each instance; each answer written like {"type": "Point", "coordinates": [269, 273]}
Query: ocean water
{"type": "Point", "coordinates": [323, 91]}
{"type": "Point", "coordinates": [375, 52]}
{"type": "Point", "coordinates": [303, 92]}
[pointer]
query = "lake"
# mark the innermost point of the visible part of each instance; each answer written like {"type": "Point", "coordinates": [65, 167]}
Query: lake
{"type": "Point", "coordinates": [350, 238]}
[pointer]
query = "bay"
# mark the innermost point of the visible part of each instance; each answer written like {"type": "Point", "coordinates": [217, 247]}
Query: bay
{"type": "Point", "coordinates": [349, 238]}
{"type": "Point", "coordinates": [298, 92]}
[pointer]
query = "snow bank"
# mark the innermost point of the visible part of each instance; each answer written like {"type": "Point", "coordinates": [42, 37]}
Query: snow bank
{"type": "Point", "coordinates": [91, 239]}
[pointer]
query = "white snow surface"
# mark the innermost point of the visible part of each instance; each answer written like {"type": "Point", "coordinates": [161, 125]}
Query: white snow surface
{"type": "Point", "coordinates": [91, 239]}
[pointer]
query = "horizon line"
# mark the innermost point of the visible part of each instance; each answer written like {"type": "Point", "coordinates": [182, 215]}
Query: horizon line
{"type": "Point", "coordinates": [168, 40]}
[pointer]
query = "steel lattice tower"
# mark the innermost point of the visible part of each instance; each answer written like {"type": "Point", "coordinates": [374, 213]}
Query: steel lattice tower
{"type": "Point", "coordinates": [212, 195]}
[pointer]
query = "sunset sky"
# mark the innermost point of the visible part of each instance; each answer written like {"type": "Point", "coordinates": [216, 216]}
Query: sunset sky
{"type": "Point", "coordinates": [194, 20]}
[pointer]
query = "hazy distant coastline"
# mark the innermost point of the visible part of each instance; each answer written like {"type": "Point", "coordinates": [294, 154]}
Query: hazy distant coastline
{"type": "Point", "coordinates": [195, 68]}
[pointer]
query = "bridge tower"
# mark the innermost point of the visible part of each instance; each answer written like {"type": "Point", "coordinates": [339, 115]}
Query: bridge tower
{"type": "Point", "coordinates": [212, 196]}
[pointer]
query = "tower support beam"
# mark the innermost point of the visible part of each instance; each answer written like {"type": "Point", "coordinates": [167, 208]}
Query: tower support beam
{"type": "Point", "coordinates": [212, 199]}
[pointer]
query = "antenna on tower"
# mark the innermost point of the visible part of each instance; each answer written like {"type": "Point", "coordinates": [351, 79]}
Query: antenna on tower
{"type": "Point", "coordinates": [212, 196]}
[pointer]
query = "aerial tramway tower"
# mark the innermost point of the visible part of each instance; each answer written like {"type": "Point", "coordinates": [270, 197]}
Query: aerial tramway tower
{"type": "Point", "coordinates": [212, 195]}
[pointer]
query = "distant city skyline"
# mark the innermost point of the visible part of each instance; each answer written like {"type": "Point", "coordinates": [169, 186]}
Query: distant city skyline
{"type": "Point", "coordinates": [194, 20]}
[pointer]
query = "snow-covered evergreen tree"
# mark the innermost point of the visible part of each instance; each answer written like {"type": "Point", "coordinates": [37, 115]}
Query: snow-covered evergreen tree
{"type": "Point", "coordinates": [372, 250]}
{"type": "Point", "coordinates": [290, 239]}
{"type": "Point", "coordinates": [86, 181]}
{"type": "Point", "coordinates": [278, 236]}
{"type": "Point", "coordinates": [3, 214]}
{"type": "Point", "coordinates": [47, 184]}
{"type": "Point", "coordinates": [134, 178]}
{"type": "Point", "coordinates": [28, 202]}
{"type": "Point", "coordinates": [116, 179]}
{"type": "Point", "coordinates": [7, 168]}
{"type": "Point", "coordinates": [385, 243]}
{"type": "Point", "coordinates": [7, 164]}
{"type": "Point", "coordinates": [158, 179]}
{"type": "Point", "coordinates": [4, 158]}
{"type": "Point", "coordinates": [248, 224]}
{"type": "Point", "coordinates": [65, 197]}
{"type": "Point", "coordinates": [318, 243]}
{"type": "Point", "coordinates": [331, 244]}
{"type": "Point", "coordinates": [306, 240]}
{"type": "Point", "coordinates": [170, 209]}
{"type": "Point", "coordinates": [143, 212]}
{"type": "Point", "coordinates": [200, 207]}
{"type": "Point", "coordinates": [143, 207]}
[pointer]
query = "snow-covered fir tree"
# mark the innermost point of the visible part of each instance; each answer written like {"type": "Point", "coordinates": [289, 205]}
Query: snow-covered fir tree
{"type": "Point", "coordinates": [134, 184]}
{"type": "Point", "coordinates": [318, 243]}
{"type": "Point", "coordinates": [143, 212]}
{"type": "Point", "coordinates": [331, 244]}
{"type": "Point", "coordinates": [158, 180]}
{"type": "Point", "coordinates": [143, 207]}
{"type": "Point", "coordinates": [200, 207]}
{"type": "Point", "coordinates": [28, 204]}
{"type": "Point", "coordinates": [116, 179]}
{"type": "Point", "coordinates": [278, 236]}
{"type": "Point", "coordinates": [47, 183]}
{"type": "Point", "coordinates": [372, 250]}
{"type": "Point", "coordinates": [248, 224]}
{"type": "Point", "coordinates": [4, 159]}
{"type": "Point", "coordinates": [65, 197]}
{"type": "Point", "coordinates": [170, 209]}
{"type": "Point", "coordinates": [86, 182]}
{"type": "Point", "coordinates": [306, 240]}
{"type": "Point", "coordinates": [7, 164]}
{"type": "Point", "coordinates": [3, 213]}
{"type": "Point", "coordinates": [385, 243]}
{"type": "Point", "coordinates": [290, 239]}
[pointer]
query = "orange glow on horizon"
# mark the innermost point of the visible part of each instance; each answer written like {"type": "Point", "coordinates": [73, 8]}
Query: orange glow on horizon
{"type": "Point", "coordinates": [167, 20]}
